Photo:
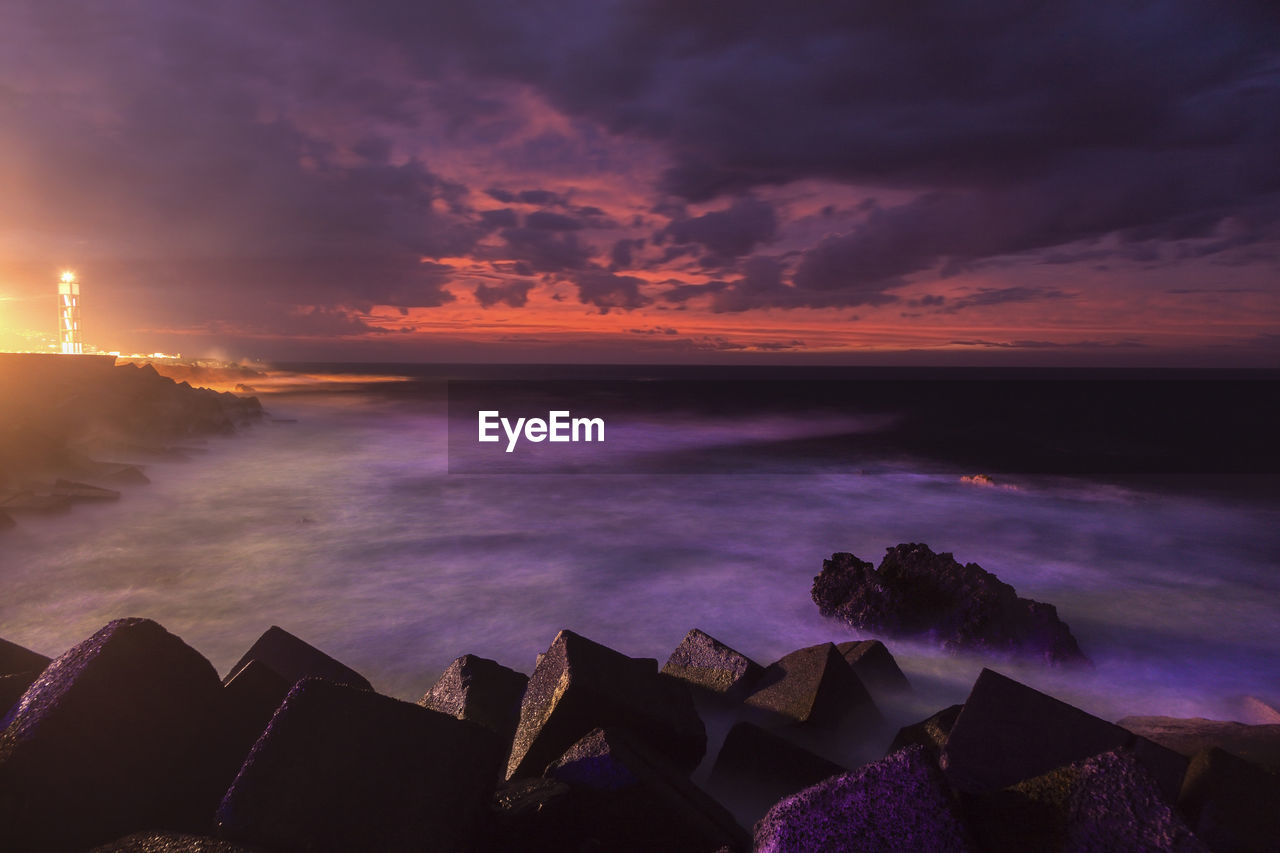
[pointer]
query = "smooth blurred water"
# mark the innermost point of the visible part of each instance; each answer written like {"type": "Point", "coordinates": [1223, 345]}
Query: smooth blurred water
{"type": "Point", "coordinates": [346, 529]}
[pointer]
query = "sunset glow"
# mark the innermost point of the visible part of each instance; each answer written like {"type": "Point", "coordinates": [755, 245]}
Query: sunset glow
{"type": "Point", "coordinates": [631, 184]}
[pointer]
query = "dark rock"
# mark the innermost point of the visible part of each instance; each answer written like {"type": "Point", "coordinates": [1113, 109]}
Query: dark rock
{"type": "Point", "coordinates": [1008, 732]}
{"type": "Point", "coordinates": [1232, 804]}
{"type": "Point", "coordinates": [533, 815]}
{"type": "Point", "coordinates": [1259, 744]}
{"type": "Point", "coordinates": [755, 768]}
{"type": "Point", "coordinates": [876, 668]}
{"type": "Point", "coordinates": [1107, 802]}
{"type": "Point", "coordinates": [12, 687]}
{"type": "Point", "coordinates": [930, 733]}
{"type": "Point", "coordinates": [579, 685]}
{"type": "Point", "coordinates": [15, 658]}
{"type": "Point", "coordinates": [249, 700]}
{"type": "Point", "coordinates": [813, 686]}
{"type": "Point", "coordinates": [899, 803]}
{"type": "Point", "coordinates": [170, 842]}
{"type": "Point", "coordinates": [626, 797]}
{"type": "Point", "coordinates": [6, 521]}
{"type": "Point", "coordinates": [482, 691]}
{"type": "Point", "coordinates": [341, 768]}
{"type": "Point", "coordinates": [916, 591]}
{"type": "Point", "coordinates": [293, 659]}
{"type": "Point", "coordinates": [486, 693]}
{"type": "Point", "coordinates": [709, 665]}
{"type": "Point", "coordinates": [111, 739]}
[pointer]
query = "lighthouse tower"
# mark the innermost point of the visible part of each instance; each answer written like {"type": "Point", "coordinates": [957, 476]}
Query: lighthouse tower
{"type": "Point", "coordinates": [69, 314]}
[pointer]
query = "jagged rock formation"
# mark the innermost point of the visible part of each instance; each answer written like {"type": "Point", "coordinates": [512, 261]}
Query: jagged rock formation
{"type": "Point", "coordinates": [915, 591]}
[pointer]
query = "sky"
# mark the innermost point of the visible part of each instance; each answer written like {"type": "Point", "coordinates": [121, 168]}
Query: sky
{"type": "Point", "coordinates": [968, 181]}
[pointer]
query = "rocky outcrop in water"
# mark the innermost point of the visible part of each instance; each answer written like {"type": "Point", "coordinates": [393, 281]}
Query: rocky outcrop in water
{"type": "Point", "coordinates": [129, 742]}
{"type": "Point", "coordinates": [918, 592]}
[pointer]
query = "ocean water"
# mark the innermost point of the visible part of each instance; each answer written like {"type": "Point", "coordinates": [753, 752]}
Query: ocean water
{"type": "Point", "coordinates": [347, 528]}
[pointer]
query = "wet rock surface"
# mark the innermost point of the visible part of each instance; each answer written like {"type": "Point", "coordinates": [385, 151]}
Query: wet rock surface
{"type": "Point", "coordinates": [709, 665]}
{"type": "Point", "coordinates": [482, 691]}
{"type": "Point", "coordinates": [813, 687]}
{"type": "Point", "coordinates": [899, 803]}
{"type": "Point", "coordinates": [930, 733]}
{"type": "Point", "coordinates": [629, 798]}
{"type": "Point", "coordinates": [1107, 802]}
{"type": "Point", "coordinates": [917, 592]}
{"type": "Point", "coordinates": [294, 659]}
{"type": "Point", "coordinates": [1008, 732]}
{"type": "Point", "coordinates": [579, 685]}
{"type": "Point", "coordinates": [874, 666]}
{"type": "Point", "coordinates": [755, 768]}
{"type": "Point", "coordinates": [19, 668]}
{"type": "Point", "coordinates": [1232, 804]}
{"type": "Point", "coordinates": [117, 729]}
{"type": "Point", "coordinates": [340, 768]}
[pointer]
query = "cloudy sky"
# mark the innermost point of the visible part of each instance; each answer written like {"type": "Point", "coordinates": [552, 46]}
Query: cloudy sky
{"type": "Point", "coordinates": [647, 180]}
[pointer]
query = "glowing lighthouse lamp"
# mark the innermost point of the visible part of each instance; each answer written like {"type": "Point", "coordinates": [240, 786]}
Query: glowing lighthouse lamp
{"type": "Point", "coordinates": [69, 314]}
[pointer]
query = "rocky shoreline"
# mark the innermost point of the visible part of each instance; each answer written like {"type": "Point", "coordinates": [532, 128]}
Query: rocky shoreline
{"type": "Point", "coordinates": [130, 741]}
{"type": "Point", "coordinates": [77, 428]}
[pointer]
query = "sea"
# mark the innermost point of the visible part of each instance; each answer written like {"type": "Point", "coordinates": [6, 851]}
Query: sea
{"type": "Point", "coordinates": [364, 515]}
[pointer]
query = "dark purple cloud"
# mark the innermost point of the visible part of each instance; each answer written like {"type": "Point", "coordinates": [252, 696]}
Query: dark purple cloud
{"type": "Point", "coordinates": [515, 294]}
{"type": "Point", "coordinates": [243, 154]}
{"type": "Point", "coordinates": [608, 291]}
{"type": "Point", "coordinates": [545, 220]}
{"type": "Point", "coordinates": [725, 234]}
{"type": "Point", "coordinates": [1025, 127]}
{"type": "Point", "coordinates": [985, 296]}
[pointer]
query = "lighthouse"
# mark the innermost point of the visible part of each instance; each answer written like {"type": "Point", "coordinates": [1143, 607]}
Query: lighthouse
{"type": "Point", "coordinates": [69, 315]}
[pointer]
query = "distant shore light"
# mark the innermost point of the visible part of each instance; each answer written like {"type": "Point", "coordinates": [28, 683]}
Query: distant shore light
{"type": "Point", "coordinates": [68, 277]}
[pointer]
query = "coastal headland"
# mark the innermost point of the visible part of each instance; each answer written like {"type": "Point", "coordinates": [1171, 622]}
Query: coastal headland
{"type": "Point", "coordinates": [74, 426]}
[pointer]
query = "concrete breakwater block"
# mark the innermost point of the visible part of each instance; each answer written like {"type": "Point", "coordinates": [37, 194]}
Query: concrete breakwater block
{"type": "Point", "coordinates": [931, 732]}
{"type": "Point", "coordinates": [1008, 732]}
{"type": "Point", "coordinates": [482, 691]}
{"type": "Point", "coordinates": [708, 665]}
{"type": "Point", "coordinates": [1232, 804]}
{"type": "Point", "coordinates": [874, 666]}
{"type": "Point", "coordinates": [755, 768]}
{"type": "Point", "coordinates": [249, 701]}
{"type": "Point", "coordinates": [813, 687]}
{"type": "Point", "coordinates": [898, 803]}
{"type": "Point", "coordinates": [294, 659]}
{"type": "Point", "coordinates": [340, 769]}
{"type": "Point", "coordinates": [579, 685]}
{"type": "Point", "coordinates": [12, 686]}
{"type": "Point", "coordinates": [15, 659]}
{"type": "Point", "coordinates": [625, 797]}
{"type": "Point", "coordinates": [1107, 802]}
{"type": "Point", "coordinates": [113, 737]}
